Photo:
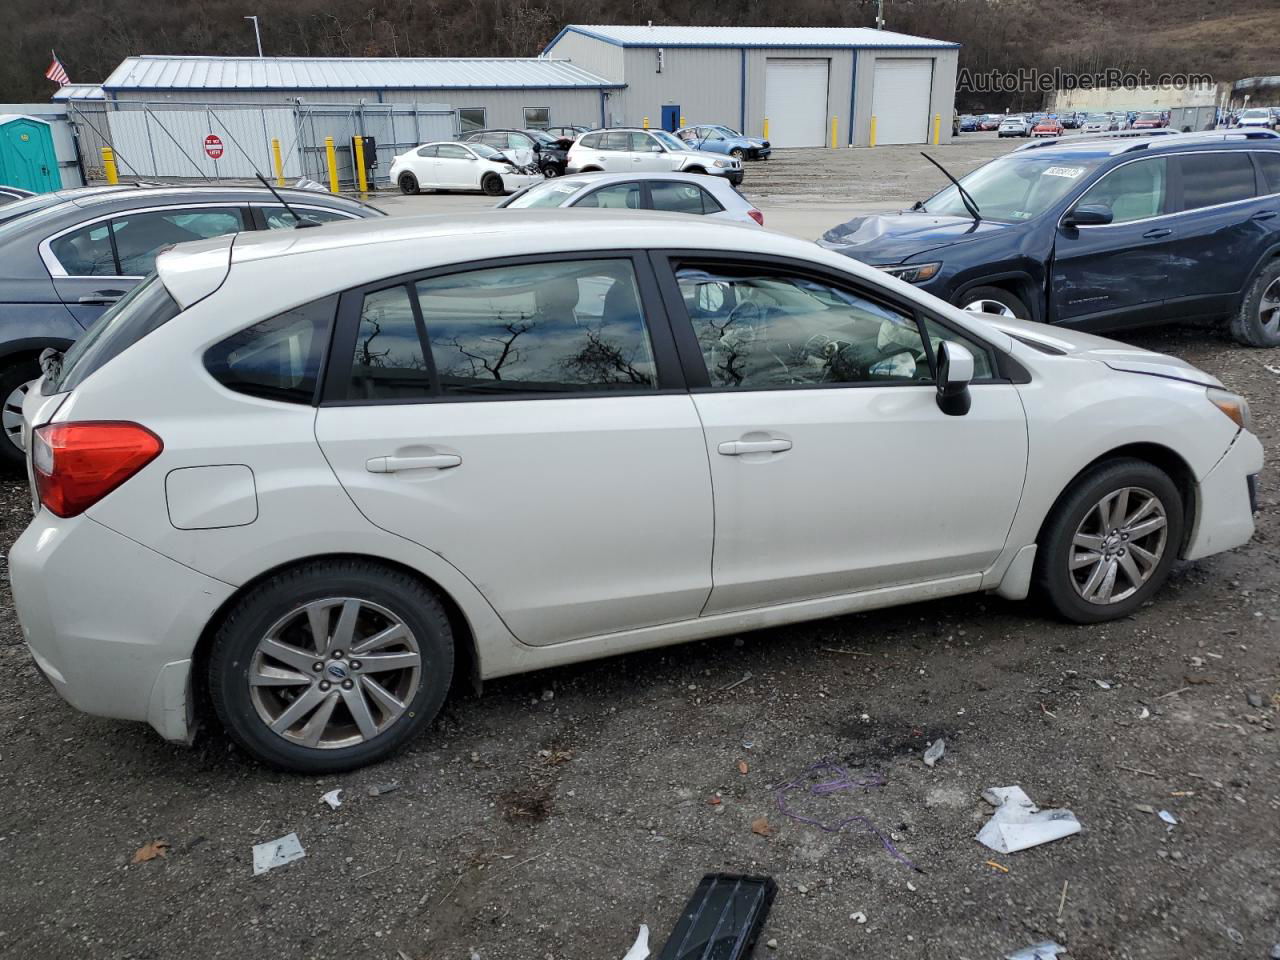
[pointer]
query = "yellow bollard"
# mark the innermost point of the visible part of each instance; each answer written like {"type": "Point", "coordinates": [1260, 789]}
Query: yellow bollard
{"type": "Point", "coordinates": [834, 127]}
{"type": "Point", "coordinates": [646, 123]}
{"type": "Point", "coordinates": [872, 142]}
{"type": "Point", "coordinates": [682, 123]}
{"type": "Point", "coordinates": [937, 128]}
{"type": "Point", "coordinates": [331, 159]}
{"type": "Point", "coordinates": [109, 165]}
{"type": "Point", "coordinates": [360, 174]}
{"type": "Point", "coordinates": [766, 128]}
{"type": "Point", "coordinates": [275, 156]}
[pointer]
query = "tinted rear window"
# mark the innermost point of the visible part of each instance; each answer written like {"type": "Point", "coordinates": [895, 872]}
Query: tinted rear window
{"type": "Point", "coordinates": [145, 309]}
{"type": "Point", "coordinates": [1209, 179]}
{"type": "Point", "coordinates": [1270, 161]}
{"type": "Point", "coordinates": [277, 359]}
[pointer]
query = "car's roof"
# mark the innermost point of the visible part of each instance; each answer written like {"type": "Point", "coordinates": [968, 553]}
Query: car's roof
{"type": "Point", "coordinates": [595, 179]}
{"type": "Point", "coordinates": [202, 194]}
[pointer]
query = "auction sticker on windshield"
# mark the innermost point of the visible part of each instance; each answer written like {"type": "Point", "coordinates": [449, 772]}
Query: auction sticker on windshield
{"type": "Point", "coordinates": [1069, 172]}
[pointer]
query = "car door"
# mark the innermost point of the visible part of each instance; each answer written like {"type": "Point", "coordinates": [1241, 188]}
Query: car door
{"type": "Point", "coordinates": [647, 153]}
{"type": "Point", "coordinates": [95, 264]}
{"type": "Point", "coordinates": [615, 196]}
{"type": "Point", "coordinates": [525, 419]}
{"type": "Point", "coordinates": [833, 468]}
{"type": "Point", "coordinates": [614, 154]}
{"type": "Point", "coordinates": [1118, 273]}
{"type": "Point", "coordinates": [1224, 226]}
{"type": "Point", "coordinates": [424, 166]}
{"type": "Point", "coordinates": [456, 166]}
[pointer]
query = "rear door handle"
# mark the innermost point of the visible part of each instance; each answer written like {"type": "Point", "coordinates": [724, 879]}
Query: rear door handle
{"type": "Point", "coordinates": [440, 461]}
{"type": "Point", "coordinates": [736, 448]}
{"type": "Point", "coordinates": [1264, 215]}
{"type": "Point", "coordinates": [100, 298]}
{"type": "Point", "coordinates": [1157, 233]}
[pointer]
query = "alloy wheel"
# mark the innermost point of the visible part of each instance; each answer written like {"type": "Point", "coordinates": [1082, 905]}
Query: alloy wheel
{"type": "Point", "coordinates": [11, 415]}
{"type": "Point", "coordinates": [1268, 311]}
{"type": "Point", "coordinates": [1118, 545]}
{"type": "Point", "coordinates": [334, 673]}
{"type": "Point", "coordinates": [991, 308]}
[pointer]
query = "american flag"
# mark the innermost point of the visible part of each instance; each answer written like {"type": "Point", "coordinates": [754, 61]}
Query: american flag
{"type": "Point", "coordinates": [57, 72]}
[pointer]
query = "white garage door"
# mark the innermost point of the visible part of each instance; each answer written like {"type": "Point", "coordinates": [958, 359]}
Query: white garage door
{"type": "Point", "coordinates": [795, 101]}
{"type": "Point", "coordinates": [900, 100]}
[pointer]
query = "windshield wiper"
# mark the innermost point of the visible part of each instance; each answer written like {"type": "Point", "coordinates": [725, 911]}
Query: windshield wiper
{"type": "Point", "coordinates": [969, 203]}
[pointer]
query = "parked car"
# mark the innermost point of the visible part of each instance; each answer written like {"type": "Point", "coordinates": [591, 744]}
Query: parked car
{"type": "Point", "coordinates": [1048, 127]}
{"type": "Point", "coordinates": [968, 123]}
{"type": "Point", "coordinates": [9, 194]}
{"type": "Point", "coordinates": [690, 193]}
{"type": "Point", "coordinates": [1098, 123]}
{"type": "Point", "coordinates": [991, 121]}
{"type": "Point", "coordinates": [317, 532]}
{"type": "Point", "coordinates": [1100, 234]}
{"type": "Point", "coordinates": [1072, 121]}
{"type": "Point", "coordinates": [633, 149]}
{"type": "Point", "coordinates": [714, 138]}
{"type": "Point", "coordinates": [446, 165]}
{"type": "Point", "coordinates": [1014, 126]}
{"type": "Point", "coordinates": [1149, 120]}
{"type": "Point", "coordinates": [1256, 117]}
{"type": "Point", "coordinates": [65, 264]}
{"type": "Point", "coordinates": [548, 152]}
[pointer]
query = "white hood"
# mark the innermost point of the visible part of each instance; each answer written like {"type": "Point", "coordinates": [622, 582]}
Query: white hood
{"type": "Point", "coordinates": [1116, 355]}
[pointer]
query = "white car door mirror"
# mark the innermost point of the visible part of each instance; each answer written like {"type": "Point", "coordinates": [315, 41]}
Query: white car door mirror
{"type": "Point", "coordinates": [955, 373]}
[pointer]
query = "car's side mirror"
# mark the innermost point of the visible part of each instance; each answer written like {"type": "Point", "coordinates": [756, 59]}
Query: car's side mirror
{"type": "Point", "coordinates": [955, 373]}
{"type": "Point", "coordinates": [1088, 215]}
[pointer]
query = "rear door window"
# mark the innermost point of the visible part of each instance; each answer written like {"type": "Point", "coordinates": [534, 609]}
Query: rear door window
{"type": "Point", "coordinates": [620, 142]}
{"type": "Point", "coordinates": [616, 196]}
{"type": "Point", "coordinates": [86, 252]}
{"type": "Point", "coordinates": [679, 197]}
{"type": "Point", "coordinates": [1209, 179]}
{"type": "Point", "coordinates": [140, 237]}
{"type": "Point", "coordinates": [1269, 160]}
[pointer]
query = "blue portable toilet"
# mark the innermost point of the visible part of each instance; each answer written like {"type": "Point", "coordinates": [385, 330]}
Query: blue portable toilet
{"type": "Point", "coordinates": [27, 157]}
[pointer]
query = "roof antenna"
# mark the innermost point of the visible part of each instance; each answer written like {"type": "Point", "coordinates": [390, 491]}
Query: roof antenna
{"type": "Point", "coordinates": [298, 222]}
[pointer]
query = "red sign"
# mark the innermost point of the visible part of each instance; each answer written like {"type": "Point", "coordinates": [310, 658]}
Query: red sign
{"type": "Point", "coordinates": [213, 146]}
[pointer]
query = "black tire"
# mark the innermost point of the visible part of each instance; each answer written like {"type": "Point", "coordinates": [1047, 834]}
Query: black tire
{"type": "Point", "coordinates": [492, 185]}
{"type": "Point", "coordinates": [994, 295]}
{"type": "Point", "coordinates": [13, 377]}
{"type": "Point", "coordinates": [1053, 574]}
{"type": "Point", "coordinates": [738, 153]}
{"type": "Point", "coordinates": [408, 183]}
{"type": "Point", "coordinates": [263, 606]}
{"type": "Point", "coordinates": [1248, 325]}
{"type": "Point", "coordinates": [550, 171]}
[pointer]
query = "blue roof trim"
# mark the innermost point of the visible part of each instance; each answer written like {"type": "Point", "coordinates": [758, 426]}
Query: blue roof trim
{"type": "Point", "coordinates": [931, 45]}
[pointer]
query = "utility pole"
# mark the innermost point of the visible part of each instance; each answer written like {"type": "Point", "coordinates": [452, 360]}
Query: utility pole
{"type": "Point", "coordinates": [257, 36]}
{"type": "Point", "coordinates": [879, 14]}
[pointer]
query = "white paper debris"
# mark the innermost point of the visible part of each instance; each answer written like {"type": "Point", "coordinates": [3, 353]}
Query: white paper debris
{"type": "Point", "coordinates": [640, 949]}
{"type": "Point", "coordinates": [935, 752]}
{"type": "Point", "coordinates": [333, 798]}
{"type": "Point", "coordinates": [1102, 683]}
{"type": "Point", "coordinates": [1144, 714]}
{"type": "Point", "coordinates": [1018, 823]}
{"type": "Point", "coordinates": [1039, 951]}
{"type": "Point", "coordinates": [276, 853]}
{"type": "Point", "coordinates": [1168, 818]}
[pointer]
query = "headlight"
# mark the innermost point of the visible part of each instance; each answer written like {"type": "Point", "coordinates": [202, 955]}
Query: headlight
{"type": "Point", "coordinates": [914, 272]}
{"type": "Point", "coordinates": [722, 163]}
{"type": "Point", "coordinates": [1235, 407]}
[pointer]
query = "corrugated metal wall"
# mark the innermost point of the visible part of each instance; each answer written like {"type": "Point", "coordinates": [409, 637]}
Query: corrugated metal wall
{"type": "Point", "coordinates": [505, 108]}
{"type": "Point", "coordinates": [602, 59]}
{"type": "Point", "coordinates": [704, 82]}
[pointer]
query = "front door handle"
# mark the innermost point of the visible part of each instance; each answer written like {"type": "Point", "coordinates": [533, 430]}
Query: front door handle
{"type": "Point", "coordinates": [439, 461]}
{"type": "Point", "coordinates": [736, 448]}
{"type": "Point", "coordinates": [101, 298]}
{"type": "Point", "coordinates": [1157, 233]}
{"type": "Point", "coordinates": [1264, 215]}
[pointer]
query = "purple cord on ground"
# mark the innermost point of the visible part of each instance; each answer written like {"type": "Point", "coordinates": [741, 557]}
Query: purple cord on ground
{"type": "Point", "coordinates": [835, 779]}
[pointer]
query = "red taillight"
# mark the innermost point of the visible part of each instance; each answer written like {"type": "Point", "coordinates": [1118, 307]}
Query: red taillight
{"type": "Point", "coordinates": [756, 215]}
{"type": "Point", "coordinates": [77, 464]}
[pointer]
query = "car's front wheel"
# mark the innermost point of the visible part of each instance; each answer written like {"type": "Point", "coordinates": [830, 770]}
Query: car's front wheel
{"type": "Point", "coordinates": [492, 185]}
{"type": "Point", "coordinates": [408, 183]}
{"type": "Point", "coordinates": [1110, 541]}
{"type": "Point", "coordinates": [738, 153]}
{"type": "Point", "coordinates": [994, 301]}
{"type": "Point", "coordinates": [1257, 322]}
{"type": "Point", "coordinates": [331, 665]}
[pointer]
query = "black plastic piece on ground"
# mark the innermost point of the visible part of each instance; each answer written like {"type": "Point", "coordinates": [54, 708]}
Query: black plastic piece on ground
{"type": "Point", "coordinates": [722, 919]}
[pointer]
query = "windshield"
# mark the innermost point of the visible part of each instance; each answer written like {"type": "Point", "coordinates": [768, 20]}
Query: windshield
{"type": "Point", "coordinates": [668, 141]}
{"type": "Point", "coordinates": [1013, 188]}
{"type": "Point", "coordinates": [483, 150]}
{"type": "Point", "coordinates": [553, 193]}
{"type": "Point", "coordinates": [144, 309]}
{"type": "Point", "coordinates": [727, 131]}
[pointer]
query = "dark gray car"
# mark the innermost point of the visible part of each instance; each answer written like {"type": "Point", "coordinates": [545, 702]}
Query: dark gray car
{"type": "Point", "coordinates": [63, 265]}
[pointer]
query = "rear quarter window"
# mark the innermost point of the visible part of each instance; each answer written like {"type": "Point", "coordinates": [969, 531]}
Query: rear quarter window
{"type": "Point", "coordinates": [279, 358]}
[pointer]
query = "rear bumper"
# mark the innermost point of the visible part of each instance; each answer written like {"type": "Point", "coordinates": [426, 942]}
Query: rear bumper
{"type": "Point", "coordinates": [1226, 499]}
{"type": "Point", "coordinates": [112, 624]}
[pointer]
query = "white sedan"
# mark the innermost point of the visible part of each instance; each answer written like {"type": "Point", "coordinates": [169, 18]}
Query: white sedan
{"type": "Point", "coordinates": [690, 193]}
{"type": "Point", "coordinates": [396, 456]}
{"type": "Point", "coordinates": [457, 166]}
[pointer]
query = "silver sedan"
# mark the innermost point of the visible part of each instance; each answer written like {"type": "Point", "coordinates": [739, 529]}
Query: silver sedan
{"type": "Point", "coordinates": [672, 192]}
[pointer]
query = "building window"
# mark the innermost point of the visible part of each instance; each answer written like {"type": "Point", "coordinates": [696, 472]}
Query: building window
{"type": "Point", "coordinates": [537, 118]}
{"type": "Point", "coordinates": [471, 118]}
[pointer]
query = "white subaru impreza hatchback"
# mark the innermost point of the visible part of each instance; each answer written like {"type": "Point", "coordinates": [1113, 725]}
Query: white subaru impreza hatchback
{"type": "Point", "coordinates": [314, 479]}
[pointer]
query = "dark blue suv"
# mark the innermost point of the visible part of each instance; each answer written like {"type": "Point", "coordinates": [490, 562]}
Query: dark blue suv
{"type": "Point", "coordinates": [1102, 234]}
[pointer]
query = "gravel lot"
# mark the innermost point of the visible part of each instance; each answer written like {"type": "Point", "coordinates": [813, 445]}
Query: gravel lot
{"type": "Point", "coordinates": [555, 814]}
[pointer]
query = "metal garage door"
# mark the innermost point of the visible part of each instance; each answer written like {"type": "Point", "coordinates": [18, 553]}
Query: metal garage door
{"type": "Point", "coordinates": [795, 101]}
{"type": "Point", "coordinates": [900, 100]}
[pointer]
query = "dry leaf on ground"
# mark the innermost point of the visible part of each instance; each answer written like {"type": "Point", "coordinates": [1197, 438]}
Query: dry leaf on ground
{"type": "Point", "coordinates": [149, 851]}
{"type": "Point", "coordinates": [760, 826]}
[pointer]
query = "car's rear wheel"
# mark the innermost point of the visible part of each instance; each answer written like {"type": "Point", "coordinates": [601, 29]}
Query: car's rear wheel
{"type": "Point", "coordinates": [1257, 322]}
{"type": "Point", "coordinates": [994, 301]}
{"type": "Point", "coordinates": [408, 183]}
{"type": "Point", "coordinates": [492, 185]}
{"type": "Point", "coordinates": [1110, 541]}
{"type": "Point", "coordinates": [331, 665]}
{"type": "Point", "coordinates": [15, 382]}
